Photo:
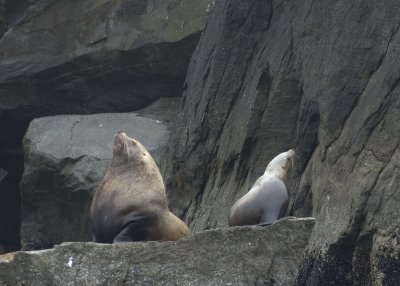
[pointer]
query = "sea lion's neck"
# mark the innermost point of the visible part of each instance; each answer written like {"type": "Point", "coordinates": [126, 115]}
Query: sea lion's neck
{"type": "Point", "coordinates": [279, 173]}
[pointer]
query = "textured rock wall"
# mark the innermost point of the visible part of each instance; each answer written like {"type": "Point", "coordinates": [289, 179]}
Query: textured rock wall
{"type": "Point", "coordinates": [239, 109]}
{"type": "Point", "coordinates": [234, 256]}
{"type": "Point", "coordinates": [319, 76]}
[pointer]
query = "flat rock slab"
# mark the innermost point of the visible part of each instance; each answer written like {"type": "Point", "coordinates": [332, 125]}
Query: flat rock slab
{"type": "Point", "coordinates": [249, 255]}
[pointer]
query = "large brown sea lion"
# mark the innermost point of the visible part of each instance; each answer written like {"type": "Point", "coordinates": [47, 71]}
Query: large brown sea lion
{"type": "Point", "coordinates": [130, 203]}
{"type": "Point", "coordinates": [267, 200]}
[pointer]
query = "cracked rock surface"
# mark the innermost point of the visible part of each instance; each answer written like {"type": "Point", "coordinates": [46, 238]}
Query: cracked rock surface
{"type": "Point", "coordinates": [321, 77]}
{"type": "Point", "coordinates": [235, 256]}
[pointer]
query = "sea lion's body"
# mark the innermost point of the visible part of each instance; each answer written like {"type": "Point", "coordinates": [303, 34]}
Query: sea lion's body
{"type": "Point", "coordinates": [130, 203]}
{"type": "Point", "coordinates": [268, 198]}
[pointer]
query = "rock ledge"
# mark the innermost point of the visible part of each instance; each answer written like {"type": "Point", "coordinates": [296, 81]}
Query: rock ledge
{"type": "Point", "coordinates": [230, 256]}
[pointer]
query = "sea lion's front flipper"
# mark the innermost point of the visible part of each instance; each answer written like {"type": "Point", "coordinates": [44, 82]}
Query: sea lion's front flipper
{"type": "Point", "coordinates": [264, 224]}
{"type": "Point", "coordinates": [133, 229]}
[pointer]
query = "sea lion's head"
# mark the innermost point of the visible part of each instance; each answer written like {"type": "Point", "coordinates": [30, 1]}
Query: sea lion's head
{"type": "Point", "coordinates": [127, 150]}
{"type": "Point", "coordinates": [281, 164]}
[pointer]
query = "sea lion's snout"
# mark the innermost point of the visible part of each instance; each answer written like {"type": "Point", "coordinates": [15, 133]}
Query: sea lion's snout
{"type": "Point", "coordinates": [120, 134]}
{"type": "Point", "coordinates": [291, 152]}
{"type": "Point", "coordinates": [120, 137]}
{"type": "Point", "coordinates": [291, 155]}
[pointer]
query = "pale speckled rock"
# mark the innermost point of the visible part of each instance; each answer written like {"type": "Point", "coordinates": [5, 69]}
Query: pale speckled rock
{"type": "Point", "coordinates": [233, 256]}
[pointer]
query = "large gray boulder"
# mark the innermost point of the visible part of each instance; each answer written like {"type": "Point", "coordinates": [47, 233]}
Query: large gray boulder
{"type": "Point", "coordinates": [318, 76]}
{"type": "Point", "coordinates": [234, 256]}
{"type": "Point", "coordinates": [66, 156]}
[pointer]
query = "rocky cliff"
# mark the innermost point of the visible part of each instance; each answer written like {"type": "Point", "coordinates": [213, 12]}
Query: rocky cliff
{"type": "Point", "coordinates": [320, 77]}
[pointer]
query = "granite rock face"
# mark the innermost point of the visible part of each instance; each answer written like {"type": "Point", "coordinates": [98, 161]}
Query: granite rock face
{"type": "Point", "coordinates": [66, 156]}
{"type": "Point", "coordinates": [319, 77]}
{"type": "Point", "coordinates": [234, 256]}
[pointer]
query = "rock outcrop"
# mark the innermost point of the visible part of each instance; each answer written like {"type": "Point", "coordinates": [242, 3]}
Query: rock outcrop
{"type": "Point", "coordinates": [84, 57]}
{"type": "Point", "coordinates": [320, 77]}
{"type": "Point", "coordinates": [65, 158]}
{"type": "Point", "coordinates": [234, 256]}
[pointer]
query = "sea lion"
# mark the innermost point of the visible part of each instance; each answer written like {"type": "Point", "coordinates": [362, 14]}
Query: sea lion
{"type": "Point", "coordinates": [268, 198]}
{"type": "Point", "coordinates": [130, 203]}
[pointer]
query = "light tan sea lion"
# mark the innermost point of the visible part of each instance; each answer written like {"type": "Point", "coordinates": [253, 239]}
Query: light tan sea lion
{"type": "Point", "coordinates": [130, 203]}
{"type": "Point", "coordinates": [268, 199]}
